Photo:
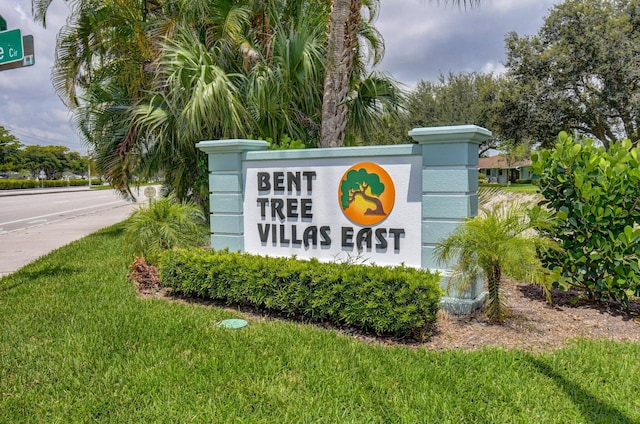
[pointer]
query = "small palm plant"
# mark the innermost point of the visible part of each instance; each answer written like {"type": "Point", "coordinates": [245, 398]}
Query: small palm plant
{"type": "Point", "coordinates": [501, 241]}
{"type": "Point", "coordinates": [164, 224]}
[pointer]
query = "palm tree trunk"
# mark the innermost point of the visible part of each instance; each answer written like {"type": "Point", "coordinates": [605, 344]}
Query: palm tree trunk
{"type": "Point", "coordinates": [495, 304]}
{"type": "Point", "coordinates": [343, 28]}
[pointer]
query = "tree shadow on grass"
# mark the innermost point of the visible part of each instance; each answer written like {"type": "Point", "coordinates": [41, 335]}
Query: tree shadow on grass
{"type": "Point", "coordinates": [31, 273]}
{"type": "Point", "coordinates": [593, 410]}
{"type": "Point", "coordinates": [115, 230]}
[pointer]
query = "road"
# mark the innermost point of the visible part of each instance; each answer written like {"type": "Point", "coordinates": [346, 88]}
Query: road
{"type": "Point", "coordinates": [23, 212]}
{"type": "Point", "coordinates": [33, 225]}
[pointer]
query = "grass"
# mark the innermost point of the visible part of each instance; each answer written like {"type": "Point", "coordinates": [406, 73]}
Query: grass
{"type": "Point", "coordinates": [515, 188]}
{"type": "Point", "coordinates": [78, 345]}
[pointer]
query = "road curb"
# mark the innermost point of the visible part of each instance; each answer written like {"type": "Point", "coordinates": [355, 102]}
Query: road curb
{"type": "Point", "coordinates": [31, 191]}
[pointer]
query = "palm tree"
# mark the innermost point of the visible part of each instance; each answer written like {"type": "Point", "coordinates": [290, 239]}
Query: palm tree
{"type": "Point", "coordinates": [342, 44]}
{"type": "Point", "coordinates": [372, 100]}
{"type": "Point", "coordinates": [284, 90]}
{"type": "Point", "coordinates": [164, 224]}
{"type": "Point", "coordinates": [344, 24]}
{"type": "Point", "coordinates": [499, 242]}
{"type": "Point", "coordinates": [148, 80]}
{"type": "Point", "coordinates": [99, 72]}
{"type": "Point", "coordinates": [194, 99]}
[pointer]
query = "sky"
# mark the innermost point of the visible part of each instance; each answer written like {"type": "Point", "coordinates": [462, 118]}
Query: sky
{"type": "Point", "coordinates": [423, 39]}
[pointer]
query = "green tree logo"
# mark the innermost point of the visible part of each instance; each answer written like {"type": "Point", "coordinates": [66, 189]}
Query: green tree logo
{"type": "Point", "coordinates": [366, 194]}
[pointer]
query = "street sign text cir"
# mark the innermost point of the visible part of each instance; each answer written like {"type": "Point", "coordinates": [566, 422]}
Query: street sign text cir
{"type": "Point", "coordinates": [10, 46]}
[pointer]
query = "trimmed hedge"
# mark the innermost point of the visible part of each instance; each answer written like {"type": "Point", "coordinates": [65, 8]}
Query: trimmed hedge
{"type": "Point", "coordinates": [397, 300]}
{"type": "Point", "coordinates": [20, 184]}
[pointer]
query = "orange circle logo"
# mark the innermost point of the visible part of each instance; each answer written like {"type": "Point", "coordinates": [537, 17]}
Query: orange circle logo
{"type": "Point", "coordinates": [366, 194]}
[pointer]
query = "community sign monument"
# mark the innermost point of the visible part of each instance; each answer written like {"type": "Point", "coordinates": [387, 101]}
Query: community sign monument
{"type": "Point", "coordinates": [387, 205]}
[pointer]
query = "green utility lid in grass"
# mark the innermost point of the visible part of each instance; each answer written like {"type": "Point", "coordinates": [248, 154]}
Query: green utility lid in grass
{"type": "Point", "coordinates": [232, 323]}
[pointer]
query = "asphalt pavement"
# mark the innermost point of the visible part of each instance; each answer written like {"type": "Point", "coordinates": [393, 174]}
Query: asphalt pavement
{"type": "Point", "coordinates": [18, 248]}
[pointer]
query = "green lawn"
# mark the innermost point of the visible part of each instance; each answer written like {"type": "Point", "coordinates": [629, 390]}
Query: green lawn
{"type": "Point", "coordinates": [514, 188]}
{"type": "Point", "coordinates": [78, 345]}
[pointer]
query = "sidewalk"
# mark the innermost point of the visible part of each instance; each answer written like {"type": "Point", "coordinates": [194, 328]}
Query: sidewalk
{"type": "Point", "coordinates": [19, 248]}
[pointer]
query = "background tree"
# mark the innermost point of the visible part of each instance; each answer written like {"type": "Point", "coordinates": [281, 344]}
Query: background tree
{"type": "Point", "coordinates": [39, 159]}
{"type": "Point", "coordinates": [580, 72]}
{"type": "Point", "coordinates": [514, 153]}
{"type": "Point", "coordinates": [458, 99]}
{"type": "Point", "coordinates": [11, 157]}
{"type": "Point", "coordinates": [455, 99]}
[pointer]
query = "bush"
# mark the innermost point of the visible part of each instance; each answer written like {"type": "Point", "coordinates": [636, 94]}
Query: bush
{"type": "Point", "coordinates": [523, 181]}
{"type": "Point", "coordinates": [399, 300]}
{"type": "Point", "coordinates": [18, 184]}
{"type": "Point", "coordinates": [22, 184]}
{"type": "Point", "coordinates": [54, 183]}
{"type": "Point", "coordinates": [75, 183]}
{"type": "Point", "coordinates": [165, 223]}
{"type": "Point", "coordinates": [595, 196]}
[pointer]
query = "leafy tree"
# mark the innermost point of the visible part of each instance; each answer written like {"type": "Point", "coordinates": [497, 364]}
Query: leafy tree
{"type": "Point", "coordinates": [497, 243]}
{"type": "Point", "coordinates": [457, 99]}
{"type": "Point", "coordinates": [360, 183]}
{"type": "Point", "coordinates": [580, 72]}
{"type": "Point", "coordinates": [10, 151]}
{"type": "Point", "coordinates": [39, 158]}
{"type": "Point", "coordinates": [53, 160]}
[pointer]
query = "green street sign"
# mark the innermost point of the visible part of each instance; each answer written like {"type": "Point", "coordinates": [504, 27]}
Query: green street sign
{"type": "Point", "coordinates": [28, 57]}
{"type": "Point", "coordinates": [3, 24]}
{"type": "Point", "coordinates": [10, 46]}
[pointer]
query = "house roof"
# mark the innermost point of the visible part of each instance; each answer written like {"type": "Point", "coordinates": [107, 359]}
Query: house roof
{"type": "Point", "coordinates": [500, 162]}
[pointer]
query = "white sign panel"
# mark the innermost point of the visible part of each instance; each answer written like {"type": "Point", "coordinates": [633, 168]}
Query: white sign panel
{"type": "Point", "coordinates": [362, 210]}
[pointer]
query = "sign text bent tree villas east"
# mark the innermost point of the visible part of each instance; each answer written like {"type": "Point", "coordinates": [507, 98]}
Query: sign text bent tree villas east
{"type": "Point", "coordinates": [341, 211]}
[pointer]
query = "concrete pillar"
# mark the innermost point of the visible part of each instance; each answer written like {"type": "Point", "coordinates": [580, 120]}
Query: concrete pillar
{"type": "Point", "coordinates": [449, 195]}
{"type": "Point", "coordinates": [226, 189]}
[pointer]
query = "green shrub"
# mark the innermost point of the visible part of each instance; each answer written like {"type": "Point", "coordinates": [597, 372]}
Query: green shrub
{"type": "Point", "coordinates": [165, 223]}
{"type": "Point", "coordinates": [523, 181]}
{"type": "Point", "coordinates": [18, 184]}
{"type": "Point", "coordinates": [55, 183]}
{"type": "Point", "coordinates": [22, 184]}
{"type": "Point", "coordinates": [285, 143]}
{"type": "Point", "coordinates": [386, 300]}
{"type": "Point", "coordinates": [595, 196]}
{"type": "Point", "coordinates": [75, 183]}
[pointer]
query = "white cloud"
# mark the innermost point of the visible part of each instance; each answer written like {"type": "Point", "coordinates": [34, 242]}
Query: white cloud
{"type": "Point", "coordinates": [493, 68]}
